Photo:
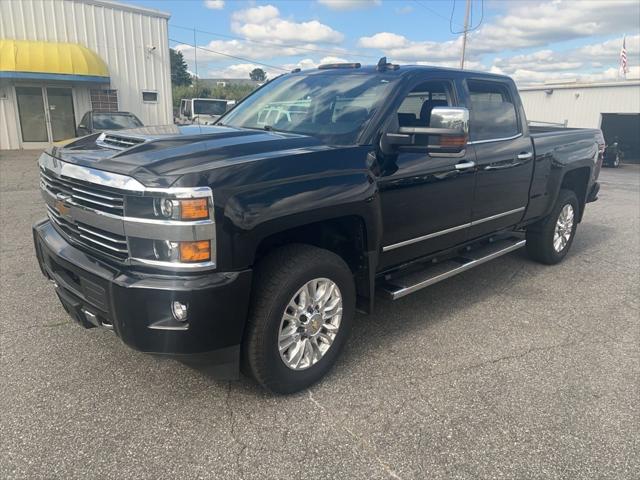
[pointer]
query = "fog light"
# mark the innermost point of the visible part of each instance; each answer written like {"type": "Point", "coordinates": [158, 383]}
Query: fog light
{"type": "Point", "coordinates": [165, 250]}
{"type": "Point", "coordinates": [179, 311]}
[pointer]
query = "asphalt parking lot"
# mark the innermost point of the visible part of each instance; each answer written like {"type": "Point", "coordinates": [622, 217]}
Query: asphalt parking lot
{"type": "Point", "coordinates": [511, 370]}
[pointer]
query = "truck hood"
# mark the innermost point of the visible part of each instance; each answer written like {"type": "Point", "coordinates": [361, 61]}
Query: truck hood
{"type": "Point", "coordinates": [157, 156]}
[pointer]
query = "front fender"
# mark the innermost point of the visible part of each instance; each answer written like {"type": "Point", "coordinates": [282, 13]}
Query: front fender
{"type": "Point", "coordinates": [257, 199]}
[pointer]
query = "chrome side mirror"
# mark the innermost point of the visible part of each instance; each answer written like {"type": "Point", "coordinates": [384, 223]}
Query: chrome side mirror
{"type": "Point", "coordinates": [448, 132]}
{"type": "Point", "coordinates": [451, 118]}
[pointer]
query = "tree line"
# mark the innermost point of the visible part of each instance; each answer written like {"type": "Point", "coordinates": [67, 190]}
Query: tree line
{"type": "Point", "coordinates": [184, 85]}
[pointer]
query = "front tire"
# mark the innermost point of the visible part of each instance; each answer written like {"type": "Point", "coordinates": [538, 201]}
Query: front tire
{"type": "Point", "coordinates": [300, 317]}
{"type": "Point", "coordinates": [549, 240]}
{"type": "Point", "coordinates": [616, 161]}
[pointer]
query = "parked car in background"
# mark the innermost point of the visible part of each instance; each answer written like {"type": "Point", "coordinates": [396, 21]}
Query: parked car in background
{"type": "Point", "coordinates": [93, 122]}
{"type": "Point", "coordinates": [203, 111]}
{"type": "Point", "coordinates": [613, 155]}
{"type": "Point", "coordinates": [252, 243]}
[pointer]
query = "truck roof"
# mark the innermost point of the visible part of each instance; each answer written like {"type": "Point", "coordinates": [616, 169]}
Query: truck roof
{"type": "Point", "coordinates": [350, 69]}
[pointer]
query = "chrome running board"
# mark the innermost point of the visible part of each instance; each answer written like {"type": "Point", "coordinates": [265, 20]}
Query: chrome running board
{"type": "Point", "coordinates": [398, 287]}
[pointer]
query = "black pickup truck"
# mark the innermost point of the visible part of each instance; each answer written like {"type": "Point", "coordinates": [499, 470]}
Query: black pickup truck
{"type": "Point", "coordinates": [250, 244]}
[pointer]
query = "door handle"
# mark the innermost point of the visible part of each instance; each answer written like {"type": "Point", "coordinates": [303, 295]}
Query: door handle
{"type": "Point", "coordinates": [466, 165]}
{"type": "Point", "coordinates": [525, 155]}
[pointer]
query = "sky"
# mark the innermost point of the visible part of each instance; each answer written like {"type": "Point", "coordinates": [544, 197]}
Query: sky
{"type": "Point", "coordinates": [532, 41]}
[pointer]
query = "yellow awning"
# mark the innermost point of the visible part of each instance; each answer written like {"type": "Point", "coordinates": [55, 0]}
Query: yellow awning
{"type": "Point", "coordinates": [50, 61]}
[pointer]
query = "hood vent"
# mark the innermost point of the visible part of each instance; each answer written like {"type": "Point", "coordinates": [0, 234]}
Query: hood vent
{"type": "Point", "coordinates": [118, 142]}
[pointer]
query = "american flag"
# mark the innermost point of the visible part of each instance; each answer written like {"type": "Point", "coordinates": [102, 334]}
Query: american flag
{"type": "Point", "coordinates": [624, 67]}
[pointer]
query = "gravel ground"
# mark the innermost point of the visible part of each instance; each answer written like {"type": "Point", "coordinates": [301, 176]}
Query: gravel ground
{"type": "Point", "coordinates": [511, 370]}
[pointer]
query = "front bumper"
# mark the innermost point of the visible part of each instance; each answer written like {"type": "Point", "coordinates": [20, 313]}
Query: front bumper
{"type": "Point", "coordinates": [137, 305]}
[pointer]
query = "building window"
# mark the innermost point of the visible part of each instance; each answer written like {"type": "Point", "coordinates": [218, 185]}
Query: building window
{"type": "Point", "coordinates": [221, 84]}
{"type": "Point", "coordinates": [149, 97]}
{"type": "Point", "coordinates": [104, 100]}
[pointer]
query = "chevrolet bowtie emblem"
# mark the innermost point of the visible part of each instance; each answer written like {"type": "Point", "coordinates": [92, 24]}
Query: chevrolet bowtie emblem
{"type": "Point", "coordinates": [61, 204]}
{"type": "Point", "coordinates": [62, 208]}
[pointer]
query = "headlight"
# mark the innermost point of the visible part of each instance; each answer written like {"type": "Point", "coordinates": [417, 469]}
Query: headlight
{"type": "Point", "coordinates": [172, 228]}
{"type": "Point", "coordinates": [164, 208]}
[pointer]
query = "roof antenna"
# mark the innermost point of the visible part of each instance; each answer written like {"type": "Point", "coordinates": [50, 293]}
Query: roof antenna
{"type": "Point", "coordinates": [383, 65]}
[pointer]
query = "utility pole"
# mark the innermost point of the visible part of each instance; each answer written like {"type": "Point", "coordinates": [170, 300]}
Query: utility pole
{"type": "Point", "coordinates": [464, 33]}
{"type": "Point", "coordinates": [195, 55]}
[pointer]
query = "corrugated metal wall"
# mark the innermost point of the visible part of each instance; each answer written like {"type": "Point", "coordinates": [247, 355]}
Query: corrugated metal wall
{"type": "Point", "coordinates": [8, 115]}
{"type": "Point", "coordinates": [580, 105]}
{"type": "Point", "coordinates": [120, 35]}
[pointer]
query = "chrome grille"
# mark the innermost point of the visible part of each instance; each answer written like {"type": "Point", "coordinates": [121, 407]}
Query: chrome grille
{"type": "Point", "coordinates": [83, 193]}
{"type": "Point", "coordinates": [106, 243]}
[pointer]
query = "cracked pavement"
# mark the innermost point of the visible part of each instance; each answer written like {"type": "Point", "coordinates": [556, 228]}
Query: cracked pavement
{"type": "Point", "coordinates": [511, 370]}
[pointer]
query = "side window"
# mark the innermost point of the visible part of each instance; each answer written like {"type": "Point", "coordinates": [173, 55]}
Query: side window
{"type": "Point", "coordinates": [493, 113]}
{"type": "Point", "coordinates": [415, 110]}
{"type": "Point", "coordinates": [187, 109]}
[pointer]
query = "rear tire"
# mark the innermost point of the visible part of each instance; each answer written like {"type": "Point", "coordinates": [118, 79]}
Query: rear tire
{"type": "Point", "coordinates": [549, 240]}
{"type": "Point", "coordinates": [616, 161]}
{"type": "Point", "coordinates": [293, 338]}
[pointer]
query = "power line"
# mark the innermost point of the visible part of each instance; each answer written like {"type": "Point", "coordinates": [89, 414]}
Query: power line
{"type": "Point", "coordinates": [230, 56]}
{"type": "Point", "coordinates": [271, 44]}
{"type": "Point", "coordinates": [435, 12]}
{"type": "Point", "coordinates": [465, 29]}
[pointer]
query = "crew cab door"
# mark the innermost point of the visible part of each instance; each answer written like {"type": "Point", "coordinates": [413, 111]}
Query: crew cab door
{"type": "Point", "coordinates": [504, 155]}
{"type": "Point", "coordinates": [425, 196]}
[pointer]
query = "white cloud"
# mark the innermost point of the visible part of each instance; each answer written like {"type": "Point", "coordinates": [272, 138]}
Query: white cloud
{"type": "Point", "coordinates": [526, 24]}
{"type": "Point", "coordinates": [241, 70]}
{"type": "Point", "coordinates": [383, 40]}
{"type": "Point", "coordinates": [610, 50]}
{"type": "Point", "coordinates": [349, 4]}
{"type": "Point", "coordinates": [591, 62]}
{"type": "Point", "coordinates": [241, 48]}
{"type": "Point", "coordinates": [542, 61]}
{"type": "Point", "coordinates": [400, 48]}
{"type": "Point", "coordinates": [265, 23]}
{"type": "Point", "coordinates": [214, 4]}
{"type": "Point", "coordinates": [531, 24]}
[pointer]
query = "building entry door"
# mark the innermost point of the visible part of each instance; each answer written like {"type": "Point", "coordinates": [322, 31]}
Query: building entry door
{"type": "Point", "coordinates": [62, 122]}
{"type": "Point", "coordinates": [46, 115]}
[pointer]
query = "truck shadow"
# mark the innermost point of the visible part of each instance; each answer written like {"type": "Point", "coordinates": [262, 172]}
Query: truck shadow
{"type": "Point", "coordinates": [425, 309]}
{"type": "Point", "coordinates": [417, 313]}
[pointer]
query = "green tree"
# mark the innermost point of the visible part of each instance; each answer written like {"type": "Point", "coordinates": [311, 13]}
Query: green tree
{"type": "Point", "coordinates": [179, 74]}
{"type": "Point", "coordinates": [258, 75]}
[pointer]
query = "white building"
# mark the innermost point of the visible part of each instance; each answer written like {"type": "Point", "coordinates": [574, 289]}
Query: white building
{"type": "Point", "coordinates": [613, 107]}
{"type": "Point", "coordinates": [62, 58]}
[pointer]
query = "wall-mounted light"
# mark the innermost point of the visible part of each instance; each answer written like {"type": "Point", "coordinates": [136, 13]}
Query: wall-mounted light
{"type": "Point", "coordinates": [549, 91]}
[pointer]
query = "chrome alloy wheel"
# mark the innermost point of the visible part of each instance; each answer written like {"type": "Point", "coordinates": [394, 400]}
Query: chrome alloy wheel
{"type": "Point", "coordinates": [310, 323]}
{"type": "Point", "coordinates": [564, 227]}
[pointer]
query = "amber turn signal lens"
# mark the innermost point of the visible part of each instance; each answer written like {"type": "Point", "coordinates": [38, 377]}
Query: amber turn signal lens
{"type": "Point", "coordinates": [195, 251]}
{"type": "Point", "coordinates": [453, 141]}
{"type": "Point", "coordinates": [195, 209]}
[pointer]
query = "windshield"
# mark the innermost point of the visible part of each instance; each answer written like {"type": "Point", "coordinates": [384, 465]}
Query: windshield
{"type": "Point", "coordinates": [209, 107]}
{"type": "Point", "coordinates": [333, 107]}
{"type": "Point", "coordinates": [111, 121]}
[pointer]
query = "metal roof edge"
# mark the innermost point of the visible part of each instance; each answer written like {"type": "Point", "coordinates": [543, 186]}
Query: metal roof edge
{"type": "Point", "coordinates": [128, 7]}
{"type": "Point", "coordinates": [559, 86]}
